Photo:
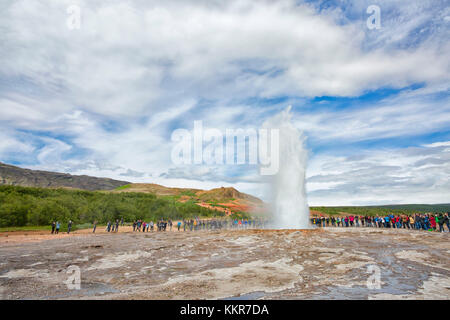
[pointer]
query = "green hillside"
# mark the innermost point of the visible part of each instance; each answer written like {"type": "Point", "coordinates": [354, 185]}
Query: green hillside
{"type": "Point", "coordinates": [27, 206]}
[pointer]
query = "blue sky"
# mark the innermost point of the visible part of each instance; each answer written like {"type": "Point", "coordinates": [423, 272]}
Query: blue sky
{"type": "Point", "coordinates": [104, 99]}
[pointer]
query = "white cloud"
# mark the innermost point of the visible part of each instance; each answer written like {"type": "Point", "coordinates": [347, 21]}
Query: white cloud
{"type": "Point", "coordinates": [128, 59]}
{"type": "Point", "coordinates": [115, 89]}
{"type": "Point", "coordinates": [52, 151]}
{"type": "Point", "coordinates": [10, 144]}
{"type": "Point", "coordinates": [401, 116]}
{"type": "Point", "coordinates": [409, 175]}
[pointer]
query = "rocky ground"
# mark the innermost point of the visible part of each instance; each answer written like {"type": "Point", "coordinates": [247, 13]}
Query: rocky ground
{"type": "Point", "coordinates": [334, 263]}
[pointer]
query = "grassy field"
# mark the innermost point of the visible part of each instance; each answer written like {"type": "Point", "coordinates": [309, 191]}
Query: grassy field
{"type": "Point", "coordinates": [384, 210]}
{"type": "Point", "coordinates": [25, 228]}
{"type": "Point", "coordinates": [123, 187]}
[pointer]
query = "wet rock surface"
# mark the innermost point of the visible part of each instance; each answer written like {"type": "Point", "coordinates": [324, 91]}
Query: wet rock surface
{"type": "Point", "coordinates": [334, 263]}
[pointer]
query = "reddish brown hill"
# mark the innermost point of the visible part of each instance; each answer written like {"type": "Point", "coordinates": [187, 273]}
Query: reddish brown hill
{"type": "Point", "coordinates": [228, 199]}
{"type": "Point", "coordinates": [220, 194]}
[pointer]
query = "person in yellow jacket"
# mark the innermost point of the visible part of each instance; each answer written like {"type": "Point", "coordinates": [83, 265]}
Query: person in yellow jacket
{"type": "Point", "coordinates": [411, 222]}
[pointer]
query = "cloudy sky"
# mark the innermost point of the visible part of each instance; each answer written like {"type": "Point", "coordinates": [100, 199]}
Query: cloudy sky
{"type": "Point", "coordinates": [104, 99]}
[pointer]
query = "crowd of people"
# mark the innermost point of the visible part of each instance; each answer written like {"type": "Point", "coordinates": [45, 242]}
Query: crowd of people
{"type": "Point", "coordinates": [139, 225]}
{"type": "Point", "coordinates": [56, 226]}
{"type": "Point", "coordinates": [196, 224]}
{"type": "Point", "coordinates": [111, 226]}
{"type": "Point", "coordinates": [428, 221]}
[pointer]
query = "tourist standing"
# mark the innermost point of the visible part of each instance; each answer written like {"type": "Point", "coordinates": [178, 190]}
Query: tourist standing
{"type": "Point", "coordinates": [69, 226]}
{"type": "Point", "coordinates": [433, 222]}
{"type": "Point", "coordinates": [412, 223]}
{"type": "Point", "coordinates": [447, 221]}
{"type": "Point", "coordinates": [139, 224]}
{"type": "Point", "coordinates": [53, 227]}
{"type": "Point", "coordinates": [440, 221]}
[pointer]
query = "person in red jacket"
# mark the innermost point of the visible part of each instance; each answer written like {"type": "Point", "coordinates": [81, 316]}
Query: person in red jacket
{"type": "Point", "coordinates": [433, 222]}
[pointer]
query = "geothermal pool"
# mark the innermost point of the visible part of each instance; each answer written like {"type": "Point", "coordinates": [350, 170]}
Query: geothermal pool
{"type": "Point", "coordinates": [326, 263]}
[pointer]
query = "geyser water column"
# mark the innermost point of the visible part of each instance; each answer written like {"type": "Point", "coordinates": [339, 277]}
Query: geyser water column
{"type": "Point", "coordinates": [289, 203]}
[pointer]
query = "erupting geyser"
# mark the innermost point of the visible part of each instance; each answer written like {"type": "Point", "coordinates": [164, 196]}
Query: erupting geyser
{"type": "Point", "coordinates": [289, 204]}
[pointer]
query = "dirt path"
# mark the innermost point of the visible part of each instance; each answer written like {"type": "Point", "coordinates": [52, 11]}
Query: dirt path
{"type": "Point", "coordinates": [18, 237]}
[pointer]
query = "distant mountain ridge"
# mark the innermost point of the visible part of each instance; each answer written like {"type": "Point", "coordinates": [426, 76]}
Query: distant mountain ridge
{"type": "Point", "coordinates": [12, 175]}
{"type": "Point", "coordinates": [16, 176]}
{"type": "Point", "coordinates": [223, 199]}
